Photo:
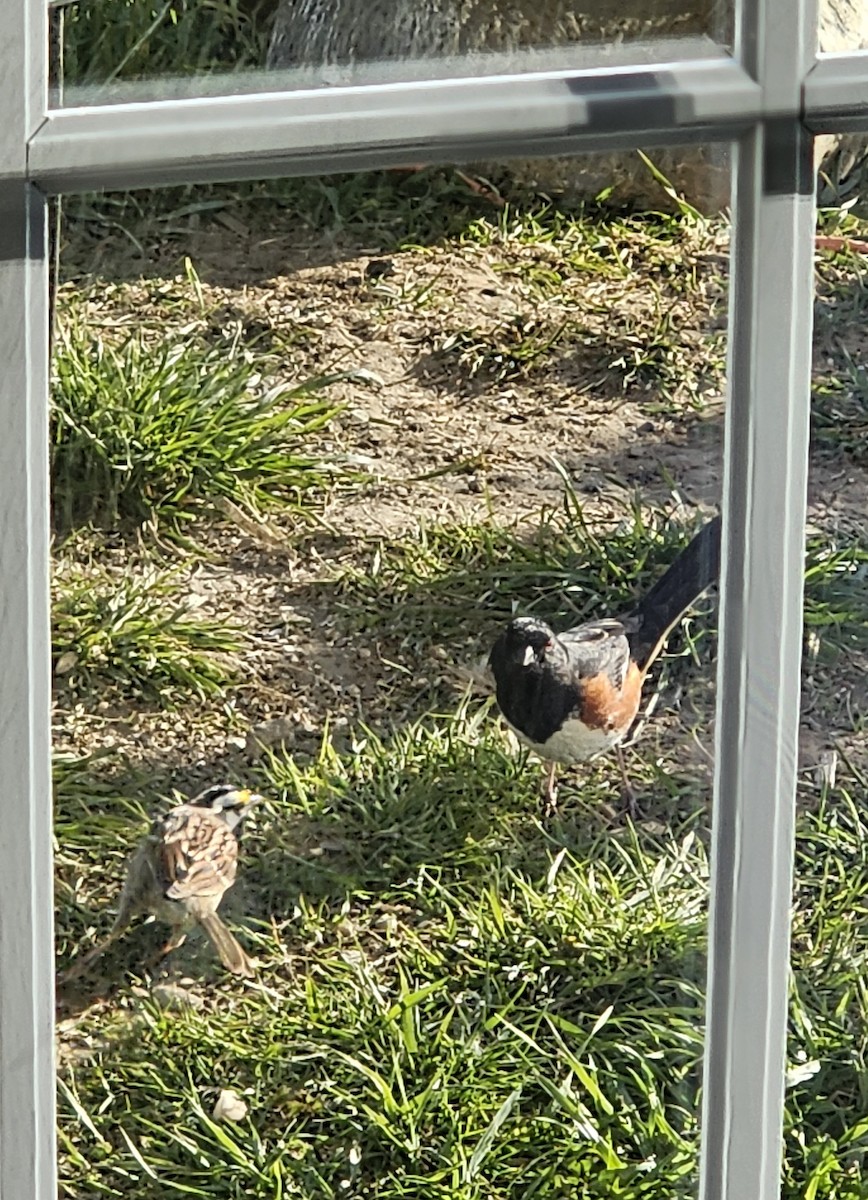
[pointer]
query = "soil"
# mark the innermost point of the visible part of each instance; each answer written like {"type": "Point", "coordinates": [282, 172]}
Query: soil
{"type": "Point", "coordinates": [477, 374]}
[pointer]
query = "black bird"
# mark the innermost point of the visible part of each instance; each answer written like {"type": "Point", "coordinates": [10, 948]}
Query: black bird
{"type": "Point", "coordinates": [574, 695]}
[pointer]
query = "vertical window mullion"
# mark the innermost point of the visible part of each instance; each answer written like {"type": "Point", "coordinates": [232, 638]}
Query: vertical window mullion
{"type": "Point", "coordinates": [771, 310]}
{"type": "Point", "coordinates": [27, 1113]}
{"type": "Point", "coordinates": [27, 1152]}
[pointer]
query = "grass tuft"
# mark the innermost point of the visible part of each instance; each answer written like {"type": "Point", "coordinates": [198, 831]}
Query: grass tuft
{"type": "Point", "coordinates": [133, 636]}
{"type": "Point", "coordinates": [836, 601]}
{"type": "Point", "coordinates": [144, 433]}
{"type": "Point", "coordinates": [508, 352]}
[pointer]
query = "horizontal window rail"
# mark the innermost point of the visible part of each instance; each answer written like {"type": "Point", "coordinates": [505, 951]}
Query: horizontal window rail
{"type": "Point", "coordinates": [332, 129]}
{"type": "Point", "coordinates": [836, 94]}
{"type": "Point", "coordinates": [274, 133]}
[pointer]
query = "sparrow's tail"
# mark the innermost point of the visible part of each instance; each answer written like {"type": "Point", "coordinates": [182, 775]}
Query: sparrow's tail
{"type": "Point", "coordinates": [227, 946]}
{"type": "Point", "coordinates": [696, 568]}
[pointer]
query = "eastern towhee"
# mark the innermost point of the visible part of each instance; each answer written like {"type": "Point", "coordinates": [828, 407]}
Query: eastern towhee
{"type": "Point", "coordinates": [574, 695]}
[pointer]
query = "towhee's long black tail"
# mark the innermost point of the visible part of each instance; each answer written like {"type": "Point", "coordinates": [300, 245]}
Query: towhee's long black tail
{"type": "Point", "coordinates": [696, 568]}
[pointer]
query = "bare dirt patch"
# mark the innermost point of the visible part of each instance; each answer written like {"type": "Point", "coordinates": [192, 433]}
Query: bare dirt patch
{"type": "Point", "coordinates": [480, 368]}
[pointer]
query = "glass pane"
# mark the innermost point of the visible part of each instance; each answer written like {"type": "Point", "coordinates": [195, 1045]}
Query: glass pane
{"type": "Point", "coordinates": [843, 26]}
{"type": "Point", "coordinates": [843, 165]}
{"type": "Point", "coordinates": [105, 51]}
{"type": "Point", "coordinates": [314, 445]}
{"type": "Point", "coordinates": [825, 1131]}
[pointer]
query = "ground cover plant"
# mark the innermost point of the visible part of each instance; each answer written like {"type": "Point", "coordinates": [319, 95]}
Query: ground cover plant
{"type": "Point", "coordinates": [454, 998]}
{"type": "Point", "coordinates": [145, 431]}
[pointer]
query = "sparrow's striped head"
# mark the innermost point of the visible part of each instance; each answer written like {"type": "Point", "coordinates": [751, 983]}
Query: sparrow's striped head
{"type": "Point", "coordinates": [222, 797]}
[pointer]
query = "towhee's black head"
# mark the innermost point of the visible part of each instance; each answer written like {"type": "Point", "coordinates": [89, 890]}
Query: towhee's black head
{"type": "Point", "coordinates": [533, 676]}
{"type": "Point", "coordinates": [525, 641]}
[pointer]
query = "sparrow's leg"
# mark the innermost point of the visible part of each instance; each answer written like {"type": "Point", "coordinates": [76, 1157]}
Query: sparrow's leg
{"type": "Point", "coordinates": [177, 939]}
{"type": "Point", "coordinates": [550, 791]}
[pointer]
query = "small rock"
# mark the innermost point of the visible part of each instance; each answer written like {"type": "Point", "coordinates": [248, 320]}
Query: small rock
{"type": "Point", "coordinates": [827, 769]}
{"type": "Point", "coordinates": [379, 268]}
{"type": "Point", "coordinates": [278, 731]}
{"type": "Point", "coordinates": [170, 995]}
{"type": "Point", "coordinates": [66, 662]}
{"type": "Point", "coordinates": [229, 1106]}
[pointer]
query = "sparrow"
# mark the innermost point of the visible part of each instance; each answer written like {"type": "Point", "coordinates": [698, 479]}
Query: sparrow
{"type": "Point", "coordinates": [574, 695]}
{"type": "Point", "coordinates": [180, 871]}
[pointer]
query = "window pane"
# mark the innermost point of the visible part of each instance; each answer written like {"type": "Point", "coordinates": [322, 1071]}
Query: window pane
{"type": "Point", "coordinates": [137, 49]}
{"type": "Point", "coordinates": [843, 26]}
{"type": "Point", "coordinates": [825, 1096]}
{"type": "Point", "coordinates": [314, 444]}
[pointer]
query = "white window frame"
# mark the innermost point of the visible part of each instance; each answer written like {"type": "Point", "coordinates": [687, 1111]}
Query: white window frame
{"type": "Point", "coordinates": [770, 99]}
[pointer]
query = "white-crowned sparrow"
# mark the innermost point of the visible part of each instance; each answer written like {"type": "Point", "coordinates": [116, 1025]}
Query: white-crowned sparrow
{"type": "Point", "coordinates": [181, 870]}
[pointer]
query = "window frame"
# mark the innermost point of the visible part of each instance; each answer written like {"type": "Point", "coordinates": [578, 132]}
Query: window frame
{"type": "Point", "coordinates": [770, 98]}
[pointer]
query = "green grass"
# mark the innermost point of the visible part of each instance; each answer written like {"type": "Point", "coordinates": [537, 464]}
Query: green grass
{"type": "Point", "coordinates": [422, 590]}
{"type": "Point", "coordinates": [827, 1135]}
{"type": "Point", "coordinates": [133, 635]}
{"type": "Point", "coordinates": [549, 244]}
{"type": "Point", "coordinates": [840, 410]}
{"type": "Point", "coordinates": [454, 1001]}
{"type": "Point", "coordinates": [458, 1004]}
{"type": "Point", "coordinates": [619, 320]}
{"type": "Point", "coordinates": [836, 600]}
{"type": "Point", "coordinates": [494, 356]}
{"type": "Point", "coordinates": [145, 39]}
{"type": "Point", "coordinates": [158, 432]}
{"type": "Point", "coordinates": [562, 568]}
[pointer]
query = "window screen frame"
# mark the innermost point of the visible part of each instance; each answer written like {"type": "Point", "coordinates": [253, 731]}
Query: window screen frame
{"type": "Point", "coordinates": [769, 99]}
